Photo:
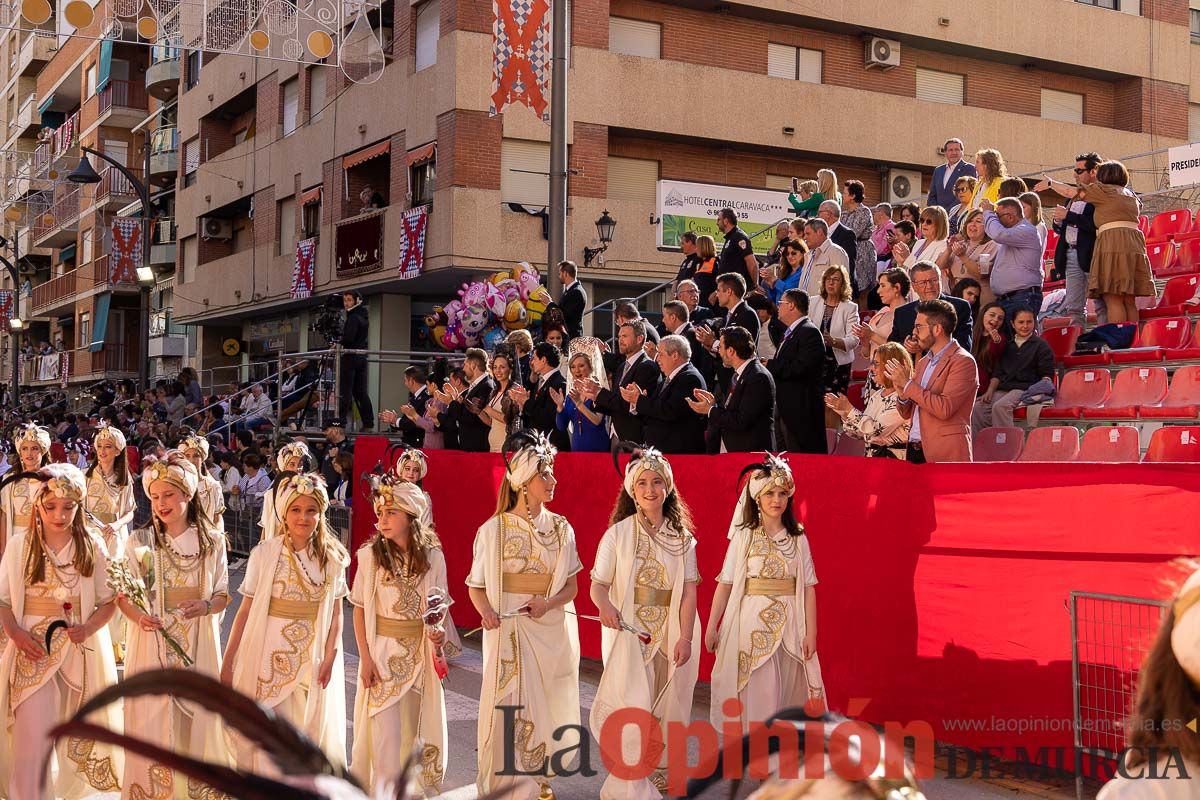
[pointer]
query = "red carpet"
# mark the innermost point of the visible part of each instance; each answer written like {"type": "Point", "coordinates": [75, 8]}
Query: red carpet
{"type": "Point", "coordinates": [943, 588]}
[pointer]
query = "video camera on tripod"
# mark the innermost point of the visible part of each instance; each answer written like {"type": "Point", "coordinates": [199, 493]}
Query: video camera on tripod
{"type": "Point", "coordinates": [329, 320]}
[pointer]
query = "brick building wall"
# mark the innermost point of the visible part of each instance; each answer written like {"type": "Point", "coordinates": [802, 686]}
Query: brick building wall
{"type": "Point", "coordinates": [587, 161]}
{"type": "Point", "coordinates": [469, 149]}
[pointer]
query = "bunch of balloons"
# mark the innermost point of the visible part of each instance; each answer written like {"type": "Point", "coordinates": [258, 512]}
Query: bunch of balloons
{"type": "Point", "coordinates": [487, 310]}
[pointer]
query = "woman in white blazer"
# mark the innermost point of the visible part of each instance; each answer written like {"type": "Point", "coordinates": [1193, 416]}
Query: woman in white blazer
{"type": "Point", "coordinates": [935, 230]}
{"type": "Point", "coordinates": [836, 315]}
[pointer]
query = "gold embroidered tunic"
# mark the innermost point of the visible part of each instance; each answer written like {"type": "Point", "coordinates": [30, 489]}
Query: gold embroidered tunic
{"type": "Point", "coordinates": [16, 503]}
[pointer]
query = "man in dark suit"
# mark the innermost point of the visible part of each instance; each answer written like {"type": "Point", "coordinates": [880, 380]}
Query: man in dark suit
{"type": "Point", "coordinates": [941, 188]}
{"type": "Point", "coordinates": [676, 322]}
{"type": "Point", "coordinates": [926, 283]}
{"type": "Point", "coordinates": [745, 422]}
{"type": "Point", "coordinates": [798, 369]}
{"type": "Point", "coordinates": [538, 409]}
{"type": "Point", "coordinates": [731, 289]}
{"type": "Point", "coordinates": [464, 410]}
{"type": "Point", "coordinates": [447, 423]}
{"type": "Point", "coordinates": [573, 300]}
{"type": "Point", "coordinates": [415, 380]}
{"type": "Point", "coordinates": [635, 368]}
{"type": "Point", "coordinates": [627, 311]}
{"type": "Point", "coordinates": [688, 293]}
{"type": "Point", "coordinates": [670, 425]}
{"type": "Point", "coordinates": [1075, 224]}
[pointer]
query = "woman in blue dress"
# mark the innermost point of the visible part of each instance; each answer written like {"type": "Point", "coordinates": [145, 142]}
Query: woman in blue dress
{"type": "Point", "coordinates": [587, 426]}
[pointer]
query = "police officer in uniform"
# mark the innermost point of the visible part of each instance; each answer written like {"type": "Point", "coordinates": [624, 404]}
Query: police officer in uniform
{"type": "Point", "coordinates": [737, 255]}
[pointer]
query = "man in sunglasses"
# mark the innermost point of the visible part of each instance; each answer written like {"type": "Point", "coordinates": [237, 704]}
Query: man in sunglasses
{"type": "Point", "coordinates": [1075, 225]}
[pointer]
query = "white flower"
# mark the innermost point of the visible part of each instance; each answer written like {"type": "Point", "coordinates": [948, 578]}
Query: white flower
{"type": "Point", "coordinates": [60, 594]}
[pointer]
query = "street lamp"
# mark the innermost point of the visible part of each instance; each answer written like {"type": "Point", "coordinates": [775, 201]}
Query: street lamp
{"type": "Point", "coordinates": [605, 227]}
{"type": "Point", "coordinates": [85, 173]}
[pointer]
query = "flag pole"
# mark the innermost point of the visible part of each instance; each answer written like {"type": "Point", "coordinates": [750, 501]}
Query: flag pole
{"type": "Point", "coordinates": [557, 245]}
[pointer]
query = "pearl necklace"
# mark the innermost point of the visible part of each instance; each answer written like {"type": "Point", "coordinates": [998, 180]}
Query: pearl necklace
{"type": "Point", "coordinates": [316, 584]}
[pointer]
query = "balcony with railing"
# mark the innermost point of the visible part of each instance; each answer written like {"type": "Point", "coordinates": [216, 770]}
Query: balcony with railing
{"type": "Point", "coordinates": [55, 293]}
{"type": "Point", "coordinates": [167, 340]}
{"type": "Point", "coordinates": [116, 189]}
{"type": "Point", "coordinates": [25, 120]}
{"type": "Point", "coordinates": [123, 103]}
{"type": "Point", "coordinates": [164, 155]}
{"type": "Point", "coordinates": [162, 243]}
{"type": "Point", "coordinates": [114, 359]}
{"type": "Point", "coordinates": [36, 51]}
{"type": "Point", "coordinates": [62, 144]}
{"type": "Point", "coordinates": [55, 223]}
{"type": "Point", "coordinates": [162, 76]}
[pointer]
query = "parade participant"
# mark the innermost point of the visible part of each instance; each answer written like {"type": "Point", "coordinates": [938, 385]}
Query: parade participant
{"type": "Point", "coordinates": [399, 701]}
{"type": "Point", "coordinates": [292, 458]}
{"type": "Point", "coordinates": [285, 646]}
{"type": "Point", "coordinates": [522, 583]}
{"type": "Point", "coordinates": [110, 503]}
{"type": "Point", "coordinates": [208, 490]}
{"type": "Point", "coordinates": [412, 467]}
{"type": "Point", "coordinates": [763, 624]}
{"type": "Point", "coordinates": [56, 570]}
{"type": "Point", "coordinates": [184, 569]}
{"type": "Point", "coordinates": [645, 576]}
{"type": "Point", "coordinates": [16, 498]}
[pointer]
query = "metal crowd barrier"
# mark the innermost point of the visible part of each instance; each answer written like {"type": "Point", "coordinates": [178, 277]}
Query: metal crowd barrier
{"type": "Point", "coordinates": [1110, 636]}
{"type": "Point", "coordinates": [242, 531]}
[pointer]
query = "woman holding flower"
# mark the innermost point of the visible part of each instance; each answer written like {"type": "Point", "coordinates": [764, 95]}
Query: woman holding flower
{"type": "Point", "coordinates": [184, 571]}
{"type": "Point", "coordinates": [55, 571]}
{"type": "Point", "coordinates": [290, 623]}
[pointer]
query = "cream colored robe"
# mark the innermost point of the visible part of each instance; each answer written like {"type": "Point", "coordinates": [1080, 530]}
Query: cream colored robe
{"type": "Point", "coordinates": [175, 724]}
{"type": "Point", "coordinates": [403, 668]}
{"type": "Point", "coordinates": [636, 675]}
{"type": "Point", "coordinates": [761, 630]}
{"type": "Point", "coordinates": [526, 662]}
{"type": "Point", "coordinates": [212, 501]}
{"type": "Point", "coordinates": [16, 503]}
{"type": "Point", "coordinates": [266, 647]}
{"type": "Point", "coordinates": [82, 767]}
{"type": "Point", "coordinates": [114, 506]}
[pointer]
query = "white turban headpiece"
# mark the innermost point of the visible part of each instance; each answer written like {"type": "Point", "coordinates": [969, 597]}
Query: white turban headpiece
{"type": "Point", "coordinates": [292, 450]}
{"type": "Point", "coordinates": [111, 434]}
{"type": "Point", "coordinates": [308, 484]}
{"type": "Point", "coordinates": [648, 459]}
{"type": "Point", "coordinates": [176, 470]}
{"type": "Point", "coordinates": [391, 493]}
{"type": "Point", "coordinates": [61, 480]}
{"type": "Point", "coordinates": [195, 442]}
{"type": "Point", "coordinates": [772, 473]}
{"type": "Point", "coordinates": [1185, 636]}
{"type": "Point", "coordinates": [535, 456]}
{"type": "Point", "coordinates": [415, 455]}
{"type": "Point", "coordinates": [30, 432]}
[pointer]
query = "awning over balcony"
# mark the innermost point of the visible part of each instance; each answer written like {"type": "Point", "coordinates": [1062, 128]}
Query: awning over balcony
{"type": "Point", "coordinates": [104, 73]}
{"type": "Point", "coordinates": [366, 154]}
{"type": "Point", "coordinates": [311, 196]}
{"type": "Point", "coordinates": [100, 322]}
{"type": "Point", "coordinates": [426, 152]}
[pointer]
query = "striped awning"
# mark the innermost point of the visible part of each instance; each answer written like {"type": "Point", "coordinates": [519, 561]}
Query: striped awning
{"type": "Point", "coordinates": [426, 152]}
{"type": "Point", "coordinates": [310, 196]}
{"type": "Point", "coordinates": [366, 154]}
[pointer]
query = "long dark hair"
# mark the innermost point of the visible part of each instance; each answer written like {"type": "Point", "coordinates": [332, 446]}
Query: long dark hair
{"type": "Point", "coordinates": [120, 466]}
{"type": "Point", "coordinates": [980, 341]}
{"type": "Point", "coordinates": [752, 516]}
{"type": "Point", "coordinates": [675, 508]}
{"type": "Point", "coordinates": [420, 541]}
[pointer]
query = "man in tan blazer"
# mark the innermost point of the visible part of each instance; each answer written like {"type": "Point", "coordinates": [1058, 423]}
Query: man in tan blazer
{"type": "Point", "coordinates": [939, 395]}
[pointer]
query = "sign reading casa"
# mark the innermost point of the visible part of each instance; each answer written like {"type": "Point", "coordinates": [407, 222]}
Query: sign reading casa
{"type": "Point", "coordinates": [684, 206]}
{"type": "Point", "coordinates": [1184, 165]}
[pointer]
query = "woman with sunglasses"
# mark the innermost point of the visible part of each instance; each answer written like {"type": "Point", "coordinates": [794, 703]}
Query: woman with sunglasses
{"type": "Point", "coordinates": [964, 188]}
{"type": "Point", "coordinates": [935, 233]}
{"type": "Point", "coordinates": [786, 274]}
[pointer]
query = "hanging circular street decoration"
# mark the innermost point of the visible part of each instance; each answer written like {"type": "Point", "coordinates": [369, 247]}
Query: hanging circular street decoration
{"type": "Point", "coordinates": [147, 27]}
{"type": "Point", "coordinates": [79, 13]}
{"type": "Point", "coordinates": [320, 44]}
{"type": "Point", "coordinates": [36, 11]}
{"type": "Point", "coordinates": [259, 40]}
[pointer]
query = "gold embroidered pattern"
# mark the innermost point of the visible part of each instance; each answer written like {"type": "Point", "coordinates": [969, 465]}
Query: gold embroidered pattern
{"type": "Point", "coordinates": [517, 552]}
{"type": "Point", "coordinates": [509, 667]}
{"type": "Point", "coordinates": [161, 785]}
{"type": "Point", "coordinates": [773, 616]}
{"type": "Point", "coordinates": [400, 670]}
{"type": "Point", "coordinates": [29, 674]}
{"type": "Point", "coordinates": [431, 765]}
{"type": "Point", "coordinates": [284, 666]}
{"type": "Point", "coordinates": [650, 573]}
{"type": "Point", "coordinates": [198, 790]}
{"type": "Point", "coordinates": [98, 772]}
{"type": "Point", "coordinates": [532, 758]}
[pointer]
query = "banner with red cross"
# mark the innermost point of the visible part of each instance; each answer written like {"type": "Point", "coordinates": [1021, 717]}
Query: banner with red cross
{"type": "Point", "coordinates": [8, 304]}
{"type": "Point", "coordinates": [126, 251]}
{"type": "Point", "coordinates": [412, 241]}
{"type": "Point", "coordinates": [521, 50]}
{"type": "Point", "coordinates": [303, 272]}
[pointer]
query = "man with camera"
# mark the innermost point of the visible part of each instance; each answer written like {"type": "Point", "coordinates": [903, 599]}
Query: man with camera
{"type": "Point", "coordinates": [354, 365]}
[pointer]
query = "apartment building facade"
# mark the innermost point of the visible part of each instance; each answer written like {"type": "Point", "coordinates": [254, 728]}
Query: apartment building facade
{"type": "Point", "coordinates": [742, 94]}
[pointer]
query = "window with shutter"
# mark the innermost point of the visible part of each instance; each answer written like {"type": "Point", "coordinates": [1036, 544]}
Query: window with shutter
{"type": "Point", "coordinates": [524, 172]}
{"type": "Point", "coordinates": [291, 106]}
{"type": "Point", "coordinates": [191, 161]}
{"type": "Point", "coordinates": [428, 31]}
{"type": "Point", "coordinates": [782, 183]}
{"type": "Point", "coordinates": [781, 61]}
{"type": "Point", "coordinates": [286, 215]}
{"type": "Point", "coordinates": [940, 87]}
{"type": "Point", "coordinates": [810, 64]}
{"type": "Point", "coordinates": [633, 179]}
{"type": "Point", "coordinates": [1064, 106]}
{"type": "Point", "coordinates": [317, 77]}
{"type": "Point", "coordinates": [634, 37]}
{"type": "Point", "coordinates": [1194, 122]}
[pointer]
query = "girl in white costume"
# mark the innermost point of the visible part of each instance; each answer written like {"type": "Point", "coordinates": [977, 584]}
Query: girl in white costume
{"type": "Point", "coordinates": [1167, 701]}
{"type": "Point", "coordinates": [208, 490]}
{"type": "Point", "coordinates": [763, 624]}
{"type": "Point", "coordinates": [292, 457]}
{"type": "Point", "coordinates": [56, 563]}
{"type": "Point", "coordinates": [110, 503]}
{"type": "Point", "coordinates": [185, 565]}
{"type": "Point", "coordinates": [522, 582]}
{"type": "Point", "coordinates": [285, 646]}
{"type": "Point", "coordinates": [16, 498]}
{"type": "Point", "coordinates": [412, 467]}
{"type": "Point", "coordinates": [400, 701]}
{"type": "Point", "coordinates": [646, 576]}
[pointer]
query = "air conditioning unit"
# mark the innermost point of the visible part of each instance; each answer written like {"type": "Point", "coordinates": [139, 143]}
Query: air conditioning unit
{"type": "Point", "coordinates": [903, 186]}
{"type": "Point", "coordinates": [881, 53]}
{"type": "Point", "coordinates": [214, 228]}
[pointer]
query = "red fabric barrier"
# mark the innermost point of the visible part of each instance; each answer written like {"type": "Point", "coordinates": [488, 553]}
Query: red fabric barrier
{"type": "Point", "coordinates": [943, 588]}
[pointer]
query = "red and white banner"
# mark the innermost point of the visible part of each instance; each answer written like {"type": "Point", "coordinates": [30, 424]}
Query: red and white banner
{"type": "Point", "coordinates": [521, 49]}
{"type": "Point", "coordinates": [126, 250]}
{"type": "Point", "coordinates": [64, 367]}
{"type": "Point", "coordinates": [305, 269]}
{"type": "Point", "coordinates": [413, 225]}
{"type": "Point", "coordinates": [8, 304]}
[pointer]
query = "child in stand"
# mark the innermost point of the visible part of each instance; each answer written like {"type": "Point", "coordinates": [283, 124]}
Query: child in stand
{"type": "Point", "coordinates": [285, 647]}
{"type": "Point", "coordinates": [400, 702]}
{"type": "Point", "coordinates": [57, 570]}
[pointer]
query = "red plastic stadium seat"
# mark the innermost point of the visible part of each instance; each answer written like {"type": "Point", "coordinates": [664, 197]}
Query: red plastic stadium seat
{"type": "Point", "coordinates": [1154, 339]}
{"type": "Point", "coordinates": [1174, 443]}
{"type": "Point", "coordinates": [1058, 443]}
{"type": "Point", "coordinates": [860, 368]}
{"type": "Point", "coordinates": [1162, 257]}
{"type": "Point", "coordinates": [1187, 259]}
{"type": "Point", "coordinates": [1062, 340]}
{"type": "Point", "coordinates": [999, 444]}
{"type": "Point", "coordinates": [1190, 350]}
{"type": "Point", "coordinates": [1051, 243]}
{"type": "Point", "coordinates": [1144, 224]}
{"type": "Point", "coordinates": [855, 393]}
{"type": "Point", "coordinates": [1183, 397]}
{"type": "Point", "coordinates": [1117, 444]}
{"type": "Point", "coordinates": [847, 445]}
{"type": "Point", "coordinates": [1176, 291]}
{"type": "Point", "coordinates": [1169, 223]}
{"type": "Point", "coordinates": [1134, 387]}
{"type": "Point", "coordinates": [1080, 389]}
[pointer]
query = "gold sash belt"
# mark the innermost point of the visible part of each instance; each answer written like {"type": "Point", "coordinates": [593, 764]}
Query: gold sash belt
{"type": "Point", "coordinates": [48, 606]}
{"type": "Point", "coordinates": [23, 520]}
{"type": "Point", "coordinates": [175, 595]}
{"type": "Point", "coordinates": [104, 516]}
{"type": "Point", "coordinates": [398, 628]}
{"type": "Point", "coordinates": [294, 609]}
{"type": "Point", "coordinates": [525, 582]}
{"type": "Point", "coordinates": [647, 596]}
{"type": "Point", "coordinates": [770, 587]}
{"type": "Point", "coordinates": [1108, 226]}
